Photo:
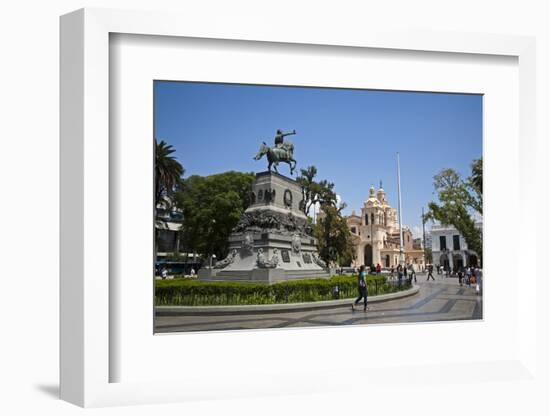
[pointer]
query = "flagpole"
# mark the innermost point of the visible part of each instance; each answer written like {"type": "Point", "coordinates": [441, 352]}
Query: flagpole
{"type": "Point", "coordinates": [401, 255]}
{"type": "Point", "coordinates": [423, 237]}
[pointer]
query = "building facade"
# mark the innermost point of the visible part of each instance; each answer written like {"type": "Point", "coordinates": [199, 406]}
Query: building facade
{"type": "Point", "coordinates": [171, 251]}
{"type": "Point", "coordinates": [376, 234]}
{"type": "Point", "coordinates": [449, 249]}
{"type": "Point", "coordinates": [168, 225]}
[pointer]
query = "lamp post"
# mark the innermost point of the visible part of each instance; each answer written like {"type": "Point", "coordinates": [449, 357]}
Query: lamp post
{"type": "Point", "coordinates": [212, 222]}
{"type": "Point", "coordinates": [371, 238]}
{"type": "Point", "coordinates": [424, 238]}
{"type": "Point", "coordinates": [423, 230]}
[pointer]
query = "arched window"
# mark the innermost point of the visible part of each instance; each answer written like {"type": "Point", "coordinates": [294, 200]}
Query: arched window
{"type": "Point", "coordinates": [366, 219]}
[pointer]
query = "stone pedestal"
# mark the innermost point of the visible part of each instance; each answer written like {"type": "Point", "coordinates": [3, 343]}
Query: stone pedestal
{"type": "Point", "coordinates": [273, 241]}
{"type": "Point", "coordinates": [206, 273]}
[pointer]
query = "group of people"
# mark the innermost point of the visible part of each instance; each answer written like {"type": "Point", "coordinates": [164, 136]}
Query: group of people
{"type": "Point", "coordinates": [162, 271]}
{"type": "Point", "coordinates": [372, 269]}
{"type": "Point", "coordinates": [466, 275]}
{"type": "Point", "coordinates": [448, 272]}
{"type": "Point", "coordinates": [469, 275]}
{"type": "Point", "coordinates": [406, 272]}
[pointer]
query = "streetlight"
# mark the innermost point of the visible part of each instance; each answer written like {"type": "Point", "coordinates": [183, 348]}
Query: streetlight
{"type": "Point", "coordinates": [371, 239]}
{"type": "Point", "coordinates": [212, 222]}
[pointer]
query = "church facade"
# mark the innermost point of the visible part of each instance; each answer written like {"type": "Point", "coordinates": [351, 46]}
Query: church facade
{"type": "Point", "coordinates": [375, 234]}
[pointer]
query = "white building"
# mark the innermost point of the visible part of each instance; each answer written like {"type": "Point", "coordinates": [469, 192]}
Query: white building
{"type": "Point", "coordinates": [449, 249]}
{"type": "Point", "coordinates": [168, 225]}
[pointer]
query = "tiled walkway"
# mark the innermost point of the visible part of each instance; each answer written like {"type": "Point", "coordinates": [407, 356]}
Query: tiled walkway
{"type": "Point", "coordinates": [442, 300]}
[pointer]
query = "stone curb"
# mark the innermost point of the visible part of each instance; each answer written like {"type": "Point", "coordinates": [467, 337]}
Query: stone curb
{"type": "Point", "coordinates": [280, 307]}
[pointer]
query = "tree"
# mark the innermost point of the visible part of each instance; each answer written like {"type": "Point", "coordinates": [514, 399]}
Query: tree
{"type": "Point", "coordinates": [459, 201]}
{"type": "Point", "coordinates": [168, 171]}
{"type": "Point", "coordinates": [212, 206]}
{"type": "Point", "coordinates": [475, 184]}
{"type": "Point", "coordinates": [315, 192]}
{"type": "Point", "coordinates": [333, 235]}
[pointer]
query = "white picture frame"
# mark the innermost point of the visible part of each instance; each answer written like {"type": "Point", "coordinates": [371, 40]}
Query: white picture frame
{"type": "Point", "coordinates": [87, 303]}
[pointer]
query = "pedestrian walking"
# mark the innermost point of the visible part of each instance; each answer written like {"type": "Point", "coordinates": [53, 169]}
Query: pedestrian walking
{"type": "Point", "coordinates": [477, 274]}
{"type": "Point", "coordinates": [399, 275]}
{"type": "Point", "coordinates": [362, 289]}
{"type": "Point", "coordinates": [378, 268]}
{"type": "Point", "coordinates": [469, 280]}
{"type": "Point", "coordinates": [405, 272]}
{"type": "Point", "coordinates": [413, 273]}
{"type": "Point", "coordinates": [430, 272]}
{"type": "Point", "coordinates": [460, 277]}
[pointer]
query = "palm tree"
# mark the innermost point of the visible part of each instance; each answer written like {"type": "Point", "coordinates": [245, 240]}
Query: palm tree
{"type": "Point", "coordinates": [168, 171]}
{"type": "Point", "coordinates": [477, 175]}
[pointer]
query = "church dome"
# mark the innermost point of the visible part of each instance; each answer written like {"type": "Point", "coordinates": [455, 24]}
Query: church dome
{"type": "Point", "coordinates": [381, 194]}
{"type": "Point", "coordinates": [371, 191]}
{"type": "Point", "coordinates": [373, 200]}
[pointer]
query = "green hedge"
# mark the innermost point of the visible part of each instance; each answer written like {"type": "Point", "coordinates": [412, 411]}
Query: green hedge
{"type": "Point", "coordinates": [193, 292]}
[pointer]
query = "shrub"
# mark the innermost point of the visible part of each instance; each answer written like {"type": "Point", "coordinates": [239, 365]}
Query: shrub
{"type": "Point", "coordinates": [193, 292]}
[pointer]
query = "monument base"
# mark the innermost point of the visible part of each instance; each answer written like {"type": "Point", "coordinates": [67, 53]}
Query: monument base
{"type": "Point", "coordinates": [273, 241]}
{"type": "Point", "coordinates": [206, 273]}
{"type": "Point", "coordinates": [268, 276]}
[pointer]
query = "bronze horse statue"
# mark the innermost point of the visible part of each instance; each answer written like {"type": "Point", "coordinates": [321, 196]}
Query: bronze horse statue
{"type": "Point", "coordinates": [281, 153]}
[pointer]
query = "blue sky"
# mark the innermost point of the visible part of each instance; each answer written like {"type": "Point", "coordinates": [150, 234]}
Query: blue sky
{"type": "Point", "coordinates": [351, 136]}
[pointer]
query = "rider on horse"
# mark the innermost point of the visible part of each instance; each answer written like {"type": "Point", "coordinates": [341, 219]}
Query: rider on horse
{"type": "Point", "coordinates": [281, 144]}
{"type": "Point", "coordinates": [283, 151]}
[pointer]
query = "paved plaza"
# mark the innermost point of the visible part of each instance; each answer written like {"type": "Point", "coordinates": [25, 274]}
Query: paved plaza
{"type": "Point", "coordinates": [440, 300]}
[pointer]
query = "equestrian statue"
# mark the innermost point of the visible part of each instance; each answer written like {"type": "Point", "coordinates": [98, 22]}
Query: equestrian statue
{"type": "Point", "coordinates": [283, 151]}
